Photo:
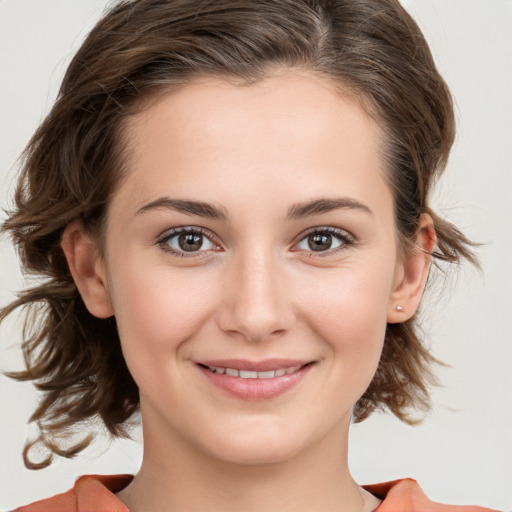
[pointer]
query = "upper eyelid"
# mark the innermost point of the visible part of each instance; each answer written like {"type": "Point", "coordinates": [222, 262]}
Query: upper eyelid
{"type": "Point", "coordinates": [322, 229]}
{"type": "Point", "coordinates": [169, 233]}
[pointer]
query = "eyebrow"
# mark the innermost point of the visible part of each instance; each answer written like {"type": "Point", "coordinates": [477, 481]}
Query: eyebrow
{"type": "Point", "coordinates": [325, 205]}
{"type": "Point", "coordinates": [297, 211]}
{"type": "Point", "coordinates": [198, 208]}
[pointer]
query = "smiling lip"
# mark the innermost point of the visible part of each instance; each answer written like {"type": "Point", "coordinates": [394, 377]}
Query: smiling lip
{"type": "Point", "coordinates": [255, 380]}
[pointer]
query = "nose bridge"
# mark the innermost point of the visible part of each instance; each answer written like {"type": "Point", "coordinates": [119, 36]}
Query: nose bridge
{"type": "Point", "coordinates": [256, 304]}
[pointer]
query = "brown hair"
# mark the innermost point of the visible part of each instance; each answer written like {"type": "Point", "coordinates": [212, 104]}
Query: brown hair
{"type": "Point", "coordinates": [74, 162]}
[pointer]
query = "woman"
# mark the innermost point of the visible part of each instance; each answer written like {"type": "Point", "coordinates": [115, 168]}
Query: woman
{"type": "Point", "coordinates": [244, 188]}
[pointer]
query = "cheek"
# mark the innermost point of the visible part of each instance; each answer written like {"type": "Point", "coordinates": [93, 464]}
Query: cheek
{"type": "Point", "coordinates": [349, 313]}
{"type": "Point", "coordinates": [157, 309]}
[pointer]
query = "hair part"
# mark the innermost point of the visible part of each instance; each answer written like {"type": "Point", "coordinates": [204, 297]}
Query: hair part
{"type": "Point", "coordinates": [75, 161]}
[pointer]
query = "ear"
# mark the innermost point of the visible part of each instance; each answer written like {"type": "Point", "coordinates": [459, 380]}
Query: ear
{"type": "Point", "coordinates": [87, 268]}
{"type": "Point", "coordinates": [412, 274]}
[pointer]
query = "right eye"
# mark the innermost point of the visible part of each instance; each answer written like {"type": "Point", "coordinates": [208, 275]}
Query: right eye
{"type": "Point", "coordinates": [187, 242]}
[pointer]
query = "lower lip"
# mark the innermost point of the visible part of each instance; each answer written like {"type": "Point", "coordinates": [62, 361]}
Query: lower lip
{"type": "Point", "coordinates": [256, 389]}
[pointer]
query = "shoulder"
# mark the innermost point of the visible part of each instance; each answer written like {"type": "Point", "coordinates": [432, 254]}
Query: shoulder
{"type": "Point", "coordinates": [95, 492]}
{"type": "Point", "coordinates": [407, 496]}
{"type": "Point", "coordinates": [91, 492]}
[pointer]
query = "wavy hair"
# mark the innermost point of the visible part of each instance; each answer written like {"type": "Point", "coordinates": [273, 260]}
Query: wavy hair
{"type": "Point", "coordinates": [74, 161]}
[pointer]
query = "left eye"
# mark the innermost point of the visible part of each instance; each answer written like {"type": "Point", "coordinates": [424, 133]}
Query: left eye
{"type": "Point", "coordinates": [323, 241]}
{"type": "Point", "coordinates": [188, 241]}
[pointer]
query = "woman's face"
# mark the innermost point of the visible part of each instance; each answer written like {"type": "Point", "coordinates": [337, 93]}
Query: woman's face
{"type": "Point", "coordinates": [254, 232]}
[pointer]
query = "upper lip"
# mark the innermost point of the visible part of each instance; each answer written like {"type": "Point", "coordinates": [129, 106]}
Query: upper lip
{"type": "Point", "coordinates": [255, 366]}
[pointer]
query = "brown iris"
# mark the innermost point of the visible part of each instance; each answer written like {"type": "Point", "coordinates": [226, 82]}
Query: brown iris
{"type": "Point", "coordinates": [319, 241]}
{"type": "Point", "coordinates": [190, 241]}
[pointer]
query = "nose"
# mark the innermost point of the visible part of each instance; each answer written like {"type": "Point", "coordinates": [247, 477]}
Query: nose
{"type": "Point", "coordinates": [256, 304]}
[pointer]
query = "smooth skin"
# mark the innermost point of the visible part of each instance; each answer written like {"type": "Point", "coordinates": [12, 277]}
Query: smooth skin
{"type": "Point", "coordinates": [254, 222]}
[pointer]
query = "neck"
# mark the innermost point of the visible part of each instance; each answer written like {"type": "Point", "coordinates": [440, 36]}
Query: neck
{"type": "Point", "coordinates": [181, 478]}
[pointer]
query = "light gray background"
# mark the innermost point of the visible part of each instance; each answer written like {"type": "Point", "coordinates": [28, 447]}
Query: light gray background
{"type": "Point", "coordinates": [463, 452]}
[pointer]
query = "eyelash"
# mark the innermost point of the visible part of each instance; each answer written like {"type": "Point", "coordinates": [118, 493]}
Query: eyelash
{"type": "Point", "coordinates": [346, 240]}
{"type": "Point", "coordinates": [169, 235]}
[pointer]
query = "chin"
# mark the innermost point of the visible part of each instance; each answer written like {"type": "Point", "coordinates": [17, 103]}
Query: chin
{"type": "Point", "coordinates": [266, 444]}
{"type": "Point", "coordinates": [256, 453]}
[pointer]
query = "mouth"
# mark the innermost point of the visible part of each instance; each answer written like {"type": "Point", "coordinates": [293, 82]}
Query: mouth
{"type": "Point", "coordinates": [262, 380]}
{"type": "Point", "coordinates": [253, 374]}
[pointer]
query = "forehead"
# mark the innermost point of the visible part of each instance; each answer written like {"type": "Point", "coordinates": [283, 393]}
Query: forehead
{"type": "Point", "coordinates": [293, 132]}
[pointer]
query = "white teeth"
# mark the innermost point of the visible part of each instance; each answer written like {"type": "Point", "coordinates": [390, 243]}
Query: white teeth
{"type": "Point", "coordinates": [267, 375]}
{"type": "Point", "coordinates": [246, 374]}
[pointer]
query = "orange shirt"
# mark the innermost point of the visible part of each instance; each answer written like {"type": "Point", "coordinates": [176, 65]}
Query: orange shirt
{"type": "Point", "coordinates": [95, 493]}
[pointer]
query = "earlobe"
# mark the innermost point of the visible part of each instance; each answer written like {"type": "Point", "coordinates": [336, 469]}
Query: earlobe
{"type": "Point", "coordinates": [406, 296]}
{"type": "Point", "coordinates": [87, 268]}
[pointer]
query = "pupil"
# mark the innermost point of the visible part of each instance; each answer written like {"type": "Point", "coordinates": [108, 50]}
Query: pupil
{"type": "Point", "coordinates": [319, 242]}
{"type": "Point", "coordinates": [190, 241]}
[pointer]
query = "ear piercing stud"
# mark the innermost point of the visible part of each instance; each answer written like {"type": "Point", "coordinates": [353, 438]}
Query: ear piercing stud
{"type": "Point", "coordinates": [400, 309]}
